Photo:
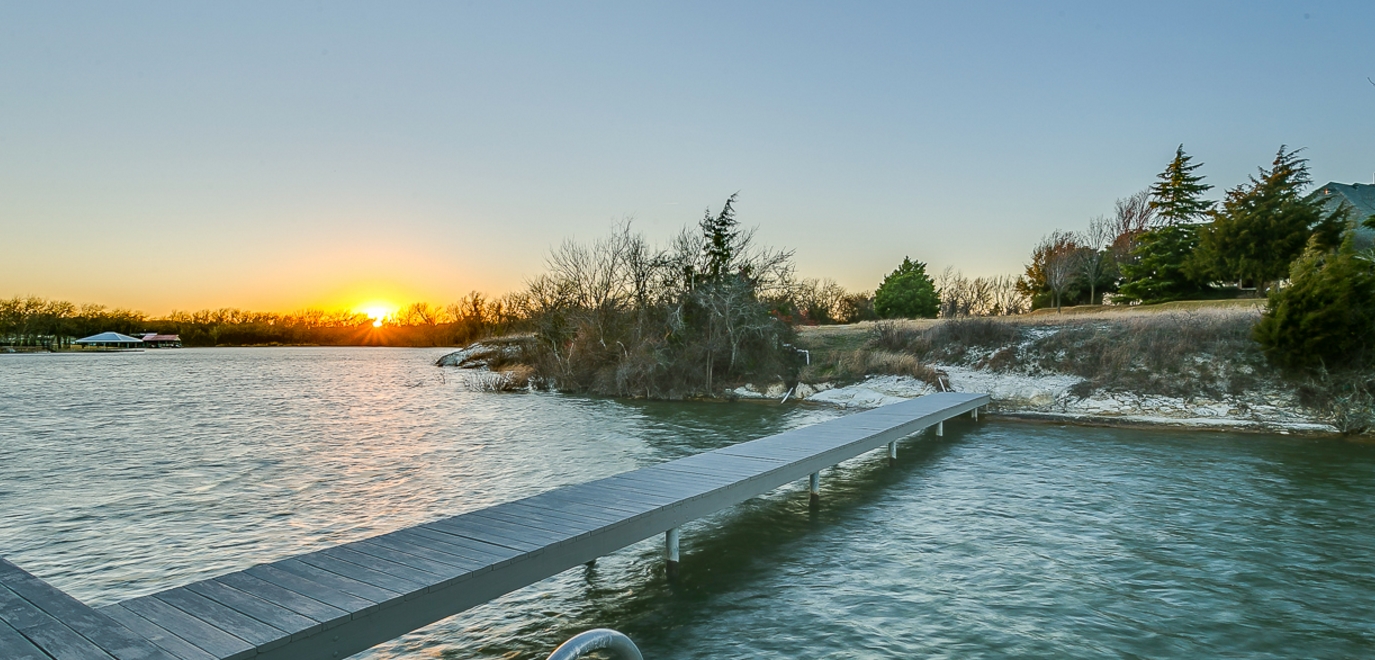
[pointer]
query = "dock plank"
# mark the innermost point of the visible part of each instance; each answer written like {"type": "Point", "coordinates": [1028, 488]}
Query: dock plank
{"type": "Point", "coordinates": [15, 646]}
{"type": "Point", "coordinates": [208, 638]}
{"type": "Point", "coordinates": [178, 647]}
{"type": "Point", "coordinates": [306, 587]}
{"type": "Point", "coordinates": [349, 579]}
{"type": "Point", "coordinates": [276, 616]}
{"type": "Point", "coordinates": [414, 578]}
{"type": "Point", "coordinates": [415, 558]}
{"type": "Point", "coordinates": [315, 610]}
{"type": "Point", "coordinates": [27, 602]}
{"type": "Point", "coordinates": [430, 550]}
{"type": "Point", "coordinates": [63, 643]}
{"type": "Point", "coordinates": [482, 551]}
{"type": "Point", "coordinates": [223, 617]}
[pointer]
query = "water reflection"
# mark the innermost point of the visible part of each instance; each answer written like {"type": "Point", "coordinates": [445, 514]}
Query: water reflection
{"type": "Point", "coordinates": [122, 475]}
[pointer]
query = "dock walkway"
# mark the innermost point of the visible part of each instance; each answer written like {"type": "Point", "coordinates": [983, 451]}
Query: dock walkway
{"type": "Point", "coordinates": [342, 600]}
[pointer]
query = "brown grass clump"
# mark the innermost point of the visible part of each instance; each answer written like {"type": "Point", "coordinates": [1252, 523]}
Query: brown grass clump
{"type": "Point", "coordinates": [853, 365]}
{"type": "Point", "coordinates": [1345, 398]}
{"type": "Point", "coordinates": [1172, 354]}
{"type": "Point", "coordinates": [513, 378]}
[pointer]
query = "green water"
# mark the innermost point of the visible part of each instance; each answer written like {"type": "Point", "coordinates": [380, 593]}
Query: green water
{"type": "Point", "coordinates": [999, 540]}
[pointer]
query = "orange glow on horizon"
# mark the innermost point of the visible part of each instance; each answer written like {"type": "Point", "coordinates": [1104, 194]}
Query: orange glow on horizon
{"type": "Point", "coordinates": [378, 311]}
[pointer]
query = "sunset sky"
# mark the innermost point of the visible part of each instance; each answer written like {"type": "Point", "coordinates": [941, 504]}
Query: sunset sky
{"type": "Point", "coordinates": [275, 156]}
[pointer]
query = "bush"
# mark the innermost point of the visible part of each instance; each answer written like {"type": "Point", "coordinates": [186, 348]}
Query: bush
{"type": "Point", "coordinates": [1325, 318]}
{"type": "Point", "coordinates": [907, 292]}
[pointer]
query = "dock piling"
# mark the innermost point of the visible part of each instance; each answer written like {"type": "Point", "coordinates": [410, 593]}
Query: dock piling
{"type": "Point", "coordinates": [671, 552]}
{"type": "Point", "coordinates": [940, 429]}
{"type": "Point", "coordinates": [815, 487]}
{"type": "Point", "coordinates": [893, 452]}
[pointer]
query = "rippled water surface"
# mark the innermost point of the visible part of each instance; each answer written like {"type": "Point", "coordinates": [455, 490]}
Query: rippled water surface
{"type": "Point", "coordinates": [125, 474]}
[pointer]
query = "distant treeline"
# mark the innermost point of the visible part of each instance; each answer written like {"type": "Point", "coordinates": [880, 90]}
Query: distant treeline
{"type": "Point", "coordinates": [54, 324]}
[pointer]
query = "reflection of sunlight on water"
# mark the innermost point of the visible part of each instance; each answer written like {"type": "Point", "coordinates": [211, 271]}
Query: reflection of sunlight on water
{"type": "Point", "coordinates": [239, 456]}
{"type": "Point", "coordinates": [1006, 541]}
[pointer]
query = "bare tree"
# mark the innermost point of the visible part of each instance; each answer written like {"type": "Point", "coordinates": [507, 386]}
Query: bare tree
{"type": "Point", "coordinates": [1093, 257]}
{"type": "Point", "coordinates": [1134, 216]}
{"type": "Point", "coordinates": [980, 296]}
{"type": "Point", "coordinates": [1056, 252]}
{"type": "Point", "coordinates": [1007, 300]}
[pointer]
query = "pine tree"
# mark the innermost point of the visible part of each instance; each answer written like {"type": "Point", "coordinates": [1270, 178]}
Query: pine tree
{"type": "Point", "coordinates": [907, 292]}
{"type": "Point", "coordinates": [721, 236]}
{"type": "Point", "coordinates": [1265, 224]}
{"type": "Point", "coordinates": [1158, 267]}
{"type": "Point", "coordinates": [1177, 197]}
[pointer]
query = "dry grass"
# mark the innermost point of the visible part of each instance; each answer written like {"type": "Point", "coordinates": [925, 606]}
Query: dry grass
{"type": "Point", "coordinates": [513, 378]}
{"type": "Point", "coordinates": [1113, 311]}
{"type": "Point", "coordinates": [1347, 399]}
{"type": "Point", "coordinates": [1180, 350]}
{"type": "Point", "coordinates": [855, 364]}
{"type": "Point", "coordinates": [1180, 354]}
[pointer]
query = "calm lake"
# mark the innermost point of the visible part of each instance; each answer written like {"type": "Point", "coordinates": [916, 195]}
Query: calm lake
{"type": "Point", "coordinates": [126, 474]}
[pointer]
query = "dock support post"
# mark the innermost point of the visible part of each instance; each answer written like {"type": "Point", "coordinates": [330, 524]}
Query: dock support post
{"type": "Point", "coordinates": [815, 487]}
{"type": "Point", "coordinates": [940, 429]}
{"type": "Point", "coordinates": [671, 552]}
{"type": "Point", "coordinates": [893, 452]}
{"type": "Point", "coordinates": [975, 414]}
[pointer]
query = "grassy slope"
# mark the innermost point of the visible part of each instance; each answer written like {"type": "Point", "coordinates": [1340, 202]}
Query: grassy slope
{"type": "Point", "coordinates": [1177, 350]}
{"type": "Point", "coordinates": [1187, 350]}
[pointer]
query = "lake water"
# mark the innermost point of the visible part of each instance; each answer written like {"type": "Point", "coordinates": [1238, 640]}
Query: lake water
{"type": "Point", "coordinates": [126, 474]}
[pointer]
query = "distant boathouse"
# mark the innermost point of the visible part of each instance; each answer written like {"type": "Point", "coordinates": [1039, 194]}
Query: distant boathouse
{"type": "Point", "coordinates": [153, 340]}
{"type": "Point", "coordinates": [117, 340]}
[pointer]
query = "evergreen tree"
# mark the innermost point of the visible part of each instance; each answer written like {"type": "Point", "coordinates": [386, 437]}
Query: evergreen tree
{"type": "Point", "coordinates": [1326, 316]}
{"type": "Point", "coordinates": [907, 292]}
{"type": "Point", "coordinates": [721, 234]}
{"type": "Point", "coordinates": [1158, 271]}
{"type": "Point", "coordinates": [1265, 224]}
{"type": "Point", "coordinates": [1158, 267]}
{"type": "Point", "coordinates": [1177, 198]}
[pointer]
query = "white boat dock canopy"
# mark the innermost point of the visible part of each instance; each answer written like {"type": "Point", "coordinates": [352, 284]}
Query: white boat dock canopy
{"type": "Point", "coordinates": [110, 339]}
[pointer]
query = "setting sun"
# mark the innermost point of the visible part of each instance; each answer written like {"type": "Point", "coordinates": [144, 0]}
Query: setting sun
{"type": "Point", "coordinates": [377, 311]}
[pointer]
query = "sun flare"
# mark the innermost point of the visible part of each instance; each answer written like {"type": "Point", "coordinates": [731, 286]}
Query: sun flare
{"type": "Point", "coordinates": [379, 312]}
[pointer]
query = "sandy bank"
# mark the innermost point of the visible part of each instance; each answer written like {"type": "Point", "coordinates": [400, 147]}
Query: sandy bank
{"type": "Point", "coordinates": [1053, 397]}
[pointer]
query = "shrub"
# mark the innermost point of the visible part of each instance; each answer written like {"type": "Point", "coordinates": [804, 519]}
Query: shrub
{"type": "Point", "coordinates": [907, 292]}
{"type": "Point", "coordinates": [893, 335]}
{"type": "Point", "coordinates": [1325, 317]}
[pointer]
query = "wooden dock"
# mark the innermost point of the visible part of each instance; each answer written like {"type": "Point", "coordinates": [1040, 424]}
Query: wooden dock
{"type": "Point", "coordinates": [336, 602]}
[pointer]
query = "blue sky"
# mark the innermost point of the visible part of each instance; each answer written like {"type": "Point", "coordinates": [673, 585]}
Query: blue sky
{"type": "Point", "coordinates": [280, 155]}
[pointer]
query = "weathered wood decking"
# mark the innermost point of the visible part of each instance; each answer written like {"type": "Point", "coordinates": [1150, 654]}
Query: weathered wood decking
{"type": "Point", "coordinates": [336, 602]}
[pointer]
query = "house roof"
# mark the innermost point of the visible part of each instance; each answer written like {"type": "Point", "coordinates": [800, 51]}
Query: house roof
{"type": "Point", "coordinates": [1360, 197]}
{"type": "Point", "coordinates": [109, 338]}
{"type": "Point", "coordinates": [156, 337]}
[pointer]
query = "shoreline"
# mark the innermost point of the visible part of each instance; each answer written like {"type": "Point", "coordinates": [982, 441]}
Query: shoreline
{"type": "Point", "coordinates": [1049, 399]}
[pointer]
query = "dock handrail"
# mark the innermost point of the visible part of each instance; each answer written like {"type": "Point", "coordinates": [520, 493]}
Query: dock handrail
{"type": "Point", "coordinates": [598, 639]}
